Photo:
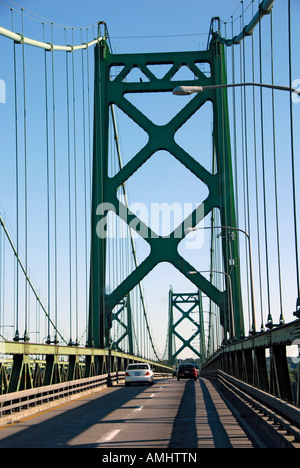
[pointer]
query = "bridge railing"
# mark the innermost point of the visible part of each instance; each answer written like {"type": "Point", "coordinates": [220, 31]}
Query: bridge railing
{"type": "Point", "coordinates": [16, 405]}
{"type": "Point", "coordinates": [281, 412]}
{"type": "Point", "coordinates": [261, 361]}
{"type": "Point", "coordinates": [32, 400]}
{"type": "Point", "coordinates": [28, 366]}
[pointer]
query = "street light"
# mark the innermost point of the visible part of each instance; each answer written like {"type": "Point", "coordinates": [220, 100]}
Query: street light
{"type": "Point", "coordinates": [230, 294]}
{"type": "Point", "coordinates": [250, 261]}
{"type": "Point", "coordinates": [187, 90]}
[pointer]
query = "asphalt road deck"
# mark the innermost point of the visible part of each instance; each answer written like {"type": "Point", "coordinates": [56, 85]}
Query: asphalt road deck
{"type": "Point", "coordinates": [169, 414]}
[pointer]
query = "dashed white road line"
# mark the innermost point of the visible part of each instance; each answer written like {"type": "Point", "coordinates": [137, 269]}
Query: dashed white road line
{"type": "Point", "coordinates": [108, 437]}
{"type": "Point", "coordinates": [111, 435]}
{"type": "Point", "coordinates": [139, 408]}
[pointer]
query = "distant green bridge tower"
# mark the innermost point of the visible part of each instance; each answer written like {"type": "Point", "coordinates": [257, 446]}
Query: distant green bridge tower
{"type": "Point", "coordinates": [109, 92]}
{"type": "Point", "coordinates": [190, 308]}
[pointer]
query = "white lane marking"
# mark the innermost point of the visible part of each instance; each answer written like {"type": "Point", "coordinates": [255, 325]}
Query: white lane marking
{"type": "Point", "coordinates": [139, 408]}
{"type": "Point", "coordinates": [111, 435]}
{"type": "Point", "coordinates": [108, 437]}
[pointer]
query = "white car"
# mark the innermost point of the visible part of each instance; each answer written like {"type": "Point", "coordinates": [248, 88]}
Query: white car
{"type": "Point", "coordinates": [139, 373]}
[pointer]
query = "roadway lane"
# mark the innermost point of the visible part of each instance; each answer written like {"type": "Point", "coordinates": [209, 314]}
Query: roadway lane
{"type": "Point", "coordinates": [169, 414]}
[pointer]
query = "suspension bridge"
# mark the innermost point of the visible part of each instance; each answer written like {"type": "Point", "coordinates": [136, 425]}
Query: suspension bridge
{"type": "Point", "coordinates": [88, 160]}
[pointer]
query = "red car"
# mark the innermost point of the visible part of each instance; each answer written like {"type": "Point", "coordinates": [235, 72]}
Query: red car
{"type": "Point", "coordinates": [187, 371]}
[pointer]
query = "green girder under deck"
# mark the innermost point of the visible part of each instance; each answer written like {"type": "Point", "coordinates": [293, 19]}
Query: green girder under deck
{"type": "Point", "coordinates": [110, 92]}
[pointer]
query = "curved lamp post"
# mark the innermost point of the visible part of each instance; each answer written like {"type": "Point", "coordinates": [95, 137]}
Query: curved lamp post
{"type": "Point", "coordinates": [187, 90]}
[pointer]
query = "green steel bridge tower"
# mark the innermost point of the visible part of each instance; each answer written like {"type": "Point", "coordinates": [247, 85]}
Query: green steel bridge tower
{"type": "Point", "coordinates": [112, 92]}
{"type": "Point", "coordinates": [186, 304]}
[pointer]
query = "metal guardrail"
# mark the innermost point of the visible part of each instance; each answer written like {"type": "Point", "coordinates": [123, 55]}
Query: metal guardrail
{"type": "Point", "coordinates": [282, 412]}
{"type": "Point", "coordinates": [36, 398]}
{"type": "Point", "coordinates": [14, 406]}
{"type": "Point", "coordinates": [247, 361]}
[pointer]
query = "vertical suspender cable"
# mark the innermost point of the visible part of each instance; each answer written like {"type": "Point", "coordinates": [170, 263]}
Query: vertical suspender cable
{"type": "Point", "coordinates": [246, 148]}
{"type": "Point", "coordinates": [37, 319]}
{"type": "Point", "coordinates": [281, 319]}
{"type": "Point", "coordinates": [142, 323]}
{"type": "Point", "coordinates": [75, 193]}
{"type": "Point", "coordinates": [48, 191]}
{"type": "Point", "coordinates": [270, 320]}
{"type": "Point", "coordinates": [55, 187]}
{"type": "Point", "coordinates": [89, 116]}
{"type": "Point", "coordinates": [234, 131]}
{"type": "Point", "coordinates": [89, 140]}
{"type": "Point", "coordinates": [293, 155]}
{"type": "Point", "coordinates": [84, 182]}
{"type": "Point", "coordinates": [113, 265]}
{"type": "Point", "coordinates": [25, 182]}
{"type": "Point", "coordinates": [212, 249]}
{"type": "Point", "coordinates": [245, 158]}
{"type": "Point", "coordinates": [16, 337]}
{"type": "Point", "coordinates": [103, 324]}
{"type": "Point", "coordinates": [69, 190]}
{"type": "Point", "coordinates": [227, 252]}
{"type": "Point", "coordinates": [256, 186]}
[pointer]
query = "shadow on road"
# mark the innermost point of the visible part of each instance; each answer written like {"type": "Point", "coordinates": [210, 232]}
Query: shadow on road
{"type": "Point", "coordinates": [59, 426]}
{"type": "Point", "coordinates": [185, 433]}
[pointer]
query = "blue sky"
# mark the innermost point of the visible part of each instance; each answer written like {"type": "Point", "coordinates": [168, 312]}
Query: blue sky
{"type": "Point", "coordinates": [135, 18]}
{"type": "Point", "coordinates": [134, 26]}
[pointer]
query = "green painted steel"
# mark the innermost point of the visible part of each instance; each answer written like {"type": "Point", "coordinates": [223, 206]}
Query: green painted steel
{"type": "Point", "coordinates": [110, 92]}
{"type": "Point", "coordinates": [127, 327]}
{"type": "Point", "coordinates": [33, 364]}
{"type": "Point", "coordinates": [186, 304]}
{"type": "Point", "coordinates": [247, 361]}
{"type": "Point", "coordinates": [226, 201]}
